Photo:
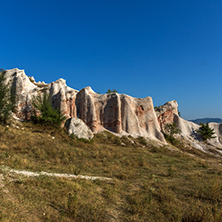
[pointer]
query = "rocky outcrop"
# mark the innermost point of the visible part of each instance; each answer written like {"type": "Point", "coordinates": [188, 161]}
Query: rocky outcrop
{"type": "Point", "coordinates": [24, 88]}
{"type": "Point", "coordinates": [218, 131]}
{"type": "Point", "coordinates": [118, 113]}
{"type": "Point", "coordinates": [168, 114]}
{"type": "Point", "coordinates": [77, 127]}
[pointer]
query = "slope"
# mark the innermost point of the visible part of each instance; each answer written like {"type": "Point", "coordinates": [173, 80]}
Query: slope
{"type": "Point", "coordinates": [150, 181]}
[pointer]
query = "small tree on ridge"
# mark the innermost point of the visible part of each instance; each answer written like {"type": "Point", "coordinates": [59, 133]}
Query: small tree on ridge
{"type": "Point", "coordinates": [206, 132]}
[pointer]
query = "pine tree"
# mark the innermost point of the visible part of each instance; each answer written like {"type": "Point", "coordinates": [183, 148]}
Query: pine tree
{"type": "Point", "coordinates": [206, 132]}
{"type": "Point", "coordinates": [6, 100]}
{"type": "Point", "coordinates": [45, 113]}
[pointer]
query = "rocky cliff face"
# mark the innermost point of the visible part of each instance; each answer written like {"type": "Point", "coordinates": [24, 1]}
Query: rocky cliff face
{"type": "Point", "coordinates": [24, 88]}
{"type": "Point", "coordinates": [168, 113]}
{"type": "Point", "coordinates": [118, 113]}
{"type": "Point", "coordinates": [218, 131]}
{"type": "Point", "coordinates": [115, 112]}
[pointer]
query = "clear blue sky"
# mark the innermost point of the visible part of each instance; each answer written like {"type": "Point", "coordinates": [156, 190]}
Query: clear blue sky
{"type": "Point", "coordinates": [169, 50]}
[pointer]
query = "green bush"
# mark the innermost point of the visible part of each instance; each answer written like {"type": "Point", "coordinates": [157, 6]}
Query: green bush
{"type": "Point", "coordinates": [45, 113]}
{"type": "Point", "coordinates": [156, 108]}
{"type": "Point", "coordinates": [172, 140]}
{"type": "Point", "coordinates": [206, 132]}
{"type": "Point", "coordinates": [172, 129]}
{"type": "Point", "coordinates": [142, 141]}
{"type": "Point", "coordinates": [6, 99]}
{"type": "Point", "coordinates": [111, 91]}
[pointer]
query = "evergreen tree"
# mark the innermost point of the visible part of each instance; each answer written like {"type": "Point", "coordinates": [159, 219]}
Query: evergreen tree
{"type": "Point", "coordinates": [206, 132]}
{"type": "Point", "coordinates": [45, 113]}
{"type": "Point", "coordinates": [6, 100]}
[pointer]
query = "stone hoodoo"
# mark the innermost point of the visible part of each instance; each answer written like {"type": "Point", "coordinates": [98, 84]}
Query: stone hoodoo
{"type": "Point", "coordinates": [115, 112]}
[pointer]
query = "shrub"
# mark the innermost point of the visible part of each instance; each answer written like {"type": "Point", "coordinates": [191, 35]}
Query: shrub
{"type": "Point", "coordinates": [142, 141]}
{"type": "Point", "coordinates": [6, 99]}
{"type": "Point", "coordinates": [156, 108]}
{"type": "Point", "coordinates": [172, 129]}
{"type": "Point", "coordinates": [45, 113]}
{"type": "Point", "coordinates": [111, 91]}
{"type": "Point", "coordinates": [206, 132]}
{"type": "Point", "coordinates": [172, 140]}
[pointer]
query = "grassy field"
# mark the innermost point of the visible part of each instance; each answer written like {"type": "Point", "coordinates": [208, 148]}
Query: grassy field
{"type": "Point", "coordinates": [149, 182]}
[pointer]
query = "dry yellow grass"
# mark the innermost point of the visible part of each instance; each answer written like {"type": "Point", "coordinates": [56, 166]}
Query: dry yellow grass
{"type": "Point", "coordinates": [149, 183]}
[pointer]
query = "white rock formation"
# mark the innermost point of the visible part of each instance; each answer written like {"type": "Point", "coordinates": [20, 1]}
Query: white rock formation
{"type": "Point", "coordinates": [218, 131]}
{"type": "Point", "coordinates": [24, 88]}
{"type": "Point", "coordinates": [78, 128]}
{"type": "Point", "coordinates": [115, 112]}
{"type": "Point", "coordinates": [168, 114]}
{"type": "Point", "coordinates": [118, 113]}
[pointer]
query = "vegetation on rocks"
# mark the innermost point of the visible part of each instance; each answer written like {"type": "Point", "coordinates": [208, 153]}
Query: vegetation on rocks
{"type": "Point", "coordinates": [45, 113]}
{"type": "Point", "coordinates": [6, 99]}
{"type": "Point", "coordinates": [170, 131]}
{"type": "Point", "coordinates": [111, 91]}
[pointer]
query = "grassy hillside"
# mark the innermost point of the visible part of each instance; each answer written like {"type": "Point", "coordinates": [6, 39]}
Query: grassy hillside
{"type": "Point", "coordinates": [149, 182]}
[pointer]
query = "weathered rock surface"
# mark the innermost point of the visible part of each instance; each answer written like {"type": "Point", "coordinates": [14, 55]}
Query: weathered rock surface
{"type": "Point", "coordinates": [118, 113]}
{"type": "Point", "coordinates": [218, 131]}
{"type": "Point", "coordinates": [168, 114]}
{"type": "Point", "coordinates": [78, 128]}
{"type": "Point", "coordinates": [24, 88]}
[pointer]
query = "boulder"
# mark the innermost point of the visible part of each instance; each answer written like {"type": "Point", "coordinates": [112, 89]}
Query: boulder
{"type": "Point", "coordinates": [77, 127]}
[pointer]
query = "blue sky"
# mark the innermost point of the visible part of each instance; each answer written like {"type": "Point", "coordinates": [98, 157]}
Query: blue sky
{"type": "Point", "coordinates": [169, 50]}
